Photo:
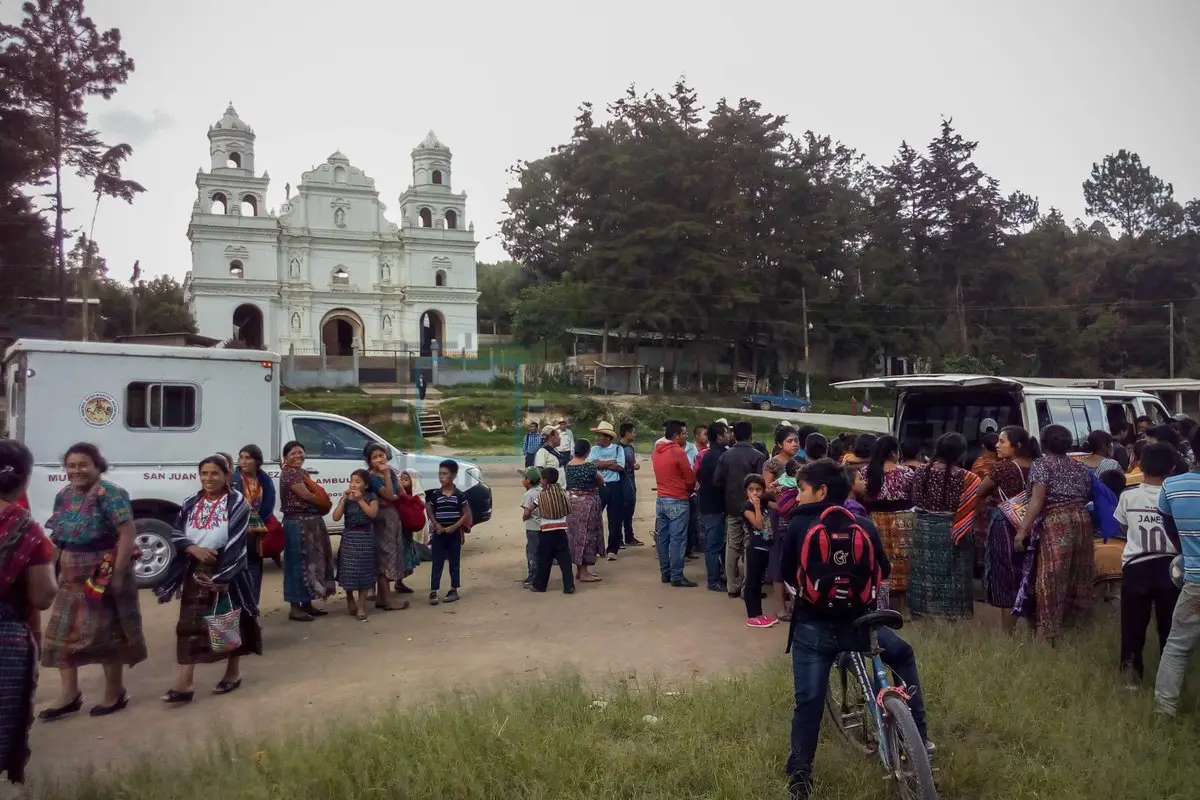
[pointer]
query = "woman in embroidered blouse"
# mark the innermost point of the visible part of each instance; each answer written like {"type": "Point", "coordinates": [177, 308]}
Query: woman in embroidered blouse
{"type": "Point", "coordinates": [942, 552]}
{"type": "Point", "coordinates": [1009, 477]}
{"type": "Point", "coordinates": [92, 525]}
{"type": "Point", "coordinates": [308, 564]}
{"type": "Point", "coordinates": [787, 446]}
{"type": "Point", "coordinates": [584, 530]}
{"type": "Point", "coordinates": [1056, 534]}
{"type": "Point", "coordinates": [888, 499]}
{"type": "Point", "coordinates": [210, 545]}
{"type": "Point", "coordinates": [259, 490]}
{"type": "Point", "coordinates": [27, 586]}
{"type": "Point", "coordinates": [384, 483]}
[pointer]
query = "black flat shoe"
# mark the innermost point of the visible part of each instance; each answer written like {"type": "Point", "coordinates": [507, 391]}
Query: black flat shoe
{"type": "Point", "coordinates": [402, 589]}
{"type": "Point", "coordinates": [174, 697]}
{"type": "Point", "coordinates": [314, 611]}
{"type": "Point", "coordinates": [225, 687]}
{"type": "Point", "coordinates": [51, 714]}
{"type": "Point", "coordinates": [104, 711]}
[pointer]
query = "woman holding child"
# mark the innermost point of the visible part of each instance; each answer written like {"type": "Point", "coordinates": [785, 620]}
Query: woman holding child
{"type": "Point", "coordinates": [384, 483]}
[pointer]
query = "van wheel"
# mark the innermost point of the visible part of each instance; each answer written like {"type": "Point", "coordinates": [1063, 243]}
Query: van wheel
{"type": "Point", "coordinates": [153, 538]}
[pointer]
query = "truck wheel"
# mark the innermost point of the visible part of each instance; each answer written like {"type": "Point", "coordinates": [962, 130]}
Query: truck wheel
{"type": "Point", "coordinates": [765, 405]}
{"type": "Point", "coordinates": [153, 538]}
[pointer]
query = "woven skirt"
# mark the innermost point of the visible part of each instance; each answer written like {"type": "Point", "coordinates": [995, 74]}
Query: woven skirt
{"type": "Point", "coordinates": [18, 683]}
{"type": "Point", "coordinates": [356, 559]}
{"type": "Point", "coordinates": [896, 530]}
{"type": "Point", "coordinates": [192, 645]}
{"type": "Point", "coordinates": [84, 631]}
{"type": "Point", "coordinates": [308, 565]}
{"type": "Point", "coordinates": [389, 544]}
{"type": "Point", "coordinates": [940, 584]}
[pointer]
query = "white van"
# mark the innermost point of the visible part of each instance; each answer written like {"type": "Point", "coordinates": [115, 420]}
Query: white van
{"type": "Point", "coordinates": [154, 412]}
{"type": "Point", "coordinates": [929, 405]}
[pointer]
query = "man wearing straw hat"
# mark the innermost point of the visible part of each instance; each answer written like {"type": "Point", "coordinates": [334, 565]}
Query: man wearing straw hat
{"type": "Point", "coordinates": [610, 461]}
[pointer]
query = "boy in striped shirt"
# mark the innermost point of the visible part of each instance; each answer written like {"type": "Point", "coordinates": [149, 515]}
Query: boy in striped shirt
{"type": "Point", "coordinates": [449, 515]}
{"type": "Point", "coordinates": [553, 508]}
{"type": "Point", "coordinates": [1179, 504]}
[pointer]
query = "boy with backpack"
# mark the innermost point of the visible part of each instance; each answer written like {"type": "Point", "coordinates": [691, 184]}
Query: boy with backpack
{"type": "Point", "coordinates": [831, 592]}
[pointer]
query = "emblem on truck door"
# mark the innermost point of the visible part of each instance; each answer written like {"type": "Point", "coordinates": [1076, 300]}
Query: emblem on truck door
{"type": "Point", "coordinates": [98, 409]}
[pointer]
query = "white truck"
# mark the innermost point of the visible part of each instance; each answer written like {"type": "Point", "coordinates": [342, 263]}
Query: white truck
{"type": "Point", "coordinates": [154, 412]}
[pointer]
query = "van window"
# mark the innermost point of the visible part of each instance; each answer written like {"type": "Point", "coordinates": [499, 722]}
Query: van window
{"type": "Point", "coordinates": [160, 406]}
{"type": "Point", "coordinates": [928, 415]}
{"type": "Point", "coordinates": [1079, 415]}
{"type": "Point", "coordinates": [1155, 412]}
{"type": "Point", "coordinates": [326, 438]}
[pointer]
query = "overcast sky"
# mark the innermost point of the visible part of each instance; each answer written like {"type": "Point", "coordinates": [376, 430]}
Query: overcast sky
{"type": "Point", "coordinates": [1046, 87]}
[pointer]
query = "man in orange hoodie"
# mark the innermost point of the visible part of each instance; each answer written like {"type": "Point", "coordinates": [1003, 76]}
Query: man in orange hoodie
{"type": "Point", "coordinates": [675, 481]}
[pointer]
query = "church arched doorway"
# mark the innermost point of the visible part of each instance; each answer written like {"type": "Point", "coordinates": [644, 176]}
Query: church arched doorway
{"type": "Point", "coordinates": [433, 328]}
{"type": "Point", "coordinates": [340, 329]}
{"type": "Point", "coordinates": [248, 326]}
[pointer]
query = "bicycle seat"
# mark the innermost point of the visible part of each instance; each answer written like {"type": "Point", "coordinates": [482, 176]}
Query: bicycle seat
{"type": "Point", "coordinates": [875, 619]}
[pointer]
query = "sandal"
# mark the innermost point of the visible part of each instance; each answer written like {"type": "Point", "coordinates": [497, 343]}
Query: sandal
{"type": "Point", "coordinates": [225, 687]}
{"type": "Point", "coordinates": [301, 617]}
{"type": "Point", "coordinates": [174, 697]}
{"type": "Point", "coordinates": [361, 617]}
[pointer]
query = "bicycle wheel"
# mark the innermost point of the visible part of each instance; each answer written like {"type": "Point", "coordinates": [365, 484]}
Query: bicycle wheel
{"type": "Point", "coordinates": [909, 759]}
{"type": "Point", "coordinates": [847, 705]}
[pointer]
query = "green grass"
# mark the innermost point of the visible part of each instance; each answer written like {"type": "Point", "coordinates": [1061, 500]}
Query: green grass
{"type": "Point", "coordinates": [1012, 720]}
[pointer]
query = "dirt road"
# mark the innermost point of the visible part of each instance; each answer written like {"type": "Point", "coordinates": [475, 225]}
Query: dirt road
{"type": "Point", "coordinates": [629, 625]}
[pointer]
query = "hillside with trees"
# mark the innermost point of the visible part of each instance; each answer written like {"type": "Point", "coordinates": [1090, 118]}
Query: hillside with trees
{"type": "Point", "coordinates": [711, 225]}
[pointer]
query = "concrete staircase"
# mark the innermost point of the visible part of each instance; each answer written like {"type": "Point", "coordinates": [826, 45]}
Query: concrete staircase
{"type": "Point", "coordinates": [431, 424]}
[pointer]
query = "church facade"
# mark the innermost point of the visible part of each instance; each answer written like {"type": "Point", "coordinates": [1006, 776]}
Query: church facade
{"type": "Point", "coordinates": [329, 270]}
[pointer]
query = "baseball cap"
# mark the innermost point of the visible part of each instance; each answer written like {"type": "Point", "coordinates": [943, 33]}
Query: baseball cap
{"type": "Point", "coordinates": [532, 474]}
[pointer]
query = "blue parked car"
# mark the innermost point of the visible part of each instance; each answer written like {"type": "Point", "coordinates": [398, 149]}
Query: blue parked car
{"type": "Point", "coordinates": [788, 401]}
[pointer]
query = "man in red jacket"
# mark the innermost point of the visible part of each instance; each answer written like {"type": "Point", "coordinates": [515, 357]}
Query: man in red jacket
{"type": "Point", "coordinates": [676, 480]}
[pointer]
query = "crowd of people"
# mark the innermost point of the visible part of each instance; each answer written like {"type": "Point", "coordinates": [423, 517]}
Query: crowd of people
{"type": "Point", "coordinates": [82, 573]}
{"type": "Point", "coordinates": [1024, 512]}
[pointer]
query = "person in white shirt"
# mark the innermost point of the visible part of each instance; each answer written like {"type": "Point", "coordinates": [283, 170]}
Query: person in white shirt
{"type": "Point", "coordinates": [566, 440]}
{"type": "Point", "coordinates": [547, 456]}
{"type": "Point", "coordinates": [1146, 584]}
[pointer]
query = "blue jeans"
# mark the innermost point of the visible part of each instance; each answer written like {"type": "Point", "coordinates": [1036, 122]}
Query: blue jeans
{"type": "Point", "coordinates": [815, 646]}
{"type": "Point", "coordinates": [712, 527]}
{"type": "Point", "coordinates": [671, 522]}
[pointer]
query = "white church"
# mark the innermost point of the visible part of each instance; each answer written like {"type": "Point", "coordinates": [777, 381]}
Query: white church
{"type": "Point", "coordinates": [330, 269]}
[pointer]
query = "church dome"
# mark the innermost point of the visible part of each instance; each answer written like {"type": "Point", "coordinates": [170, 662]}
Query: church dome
{"type": "Point", "coordinates": [231, 121]}
{"type": "Point", "coordinates": [431, 142]}
{"type": "Point", "coordinates": [338, 157]}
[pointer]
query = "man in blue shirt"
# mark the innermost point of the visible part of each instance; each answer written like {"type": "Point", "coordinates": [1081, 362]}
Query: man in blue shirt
{"type": "Point", "coordinates": [1179, 504]}
{"type": "Point", "coordinates": [533, 441]}
{"type": "Point", "coordinates": [610, 461]}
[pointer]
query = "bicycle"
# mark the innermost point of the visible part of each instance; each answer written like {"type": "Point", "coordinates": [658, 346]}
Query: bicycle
{"type": "Point", "coordinates": [869, 711]}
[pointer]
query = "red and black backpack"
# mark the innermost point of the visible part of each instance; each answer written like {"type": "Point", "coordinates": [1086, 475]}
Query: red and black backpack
{"type": "Point", "coordinates": [838, 571]}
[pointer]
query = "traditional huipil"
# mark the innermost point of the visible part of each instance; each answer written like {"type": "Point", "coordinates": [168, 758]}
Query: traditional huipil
{"type": "Point", "coordinates": [82, 631]}
{"type": "Point", "coordinates": [22, 545]}
{"type": "Point", "coordinates": [219, 524]}
{"type": "Point", "coordinates": [891, 510]}
{"type": "Point", "coordinates": [942, 551]}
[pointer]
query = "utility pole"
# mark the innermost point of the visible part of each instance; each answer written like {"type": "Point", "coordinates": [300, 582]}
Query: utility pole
{"type": "Point", "coordinates": [1171, 344]}
{"type": "Point", "coordinates": [804, 322]}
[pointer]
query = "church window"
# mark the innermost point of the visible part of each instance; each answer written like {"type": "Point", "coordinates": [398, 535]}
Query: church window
{"type": "Point", "coordinates": [426, 218]}
{"type": "Point", "coordinates": [219, 204]}
{"type": "Point", "coordinates": [439, 279]}
{"type": "Point", "coordinates": [234, 161]}
{"type": "Point", "coordinates": [437, 176]}
{"type": "Point", "coordinates": [236, 270]}
{"type": "Point", "coordinates": [341, 277]}
{"type": "Point", "coordinates": [451, 219]}
{"type": "Point", "coordinates": [339, 174]}
{"type": "Point", "coordinates": [249, 206]}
